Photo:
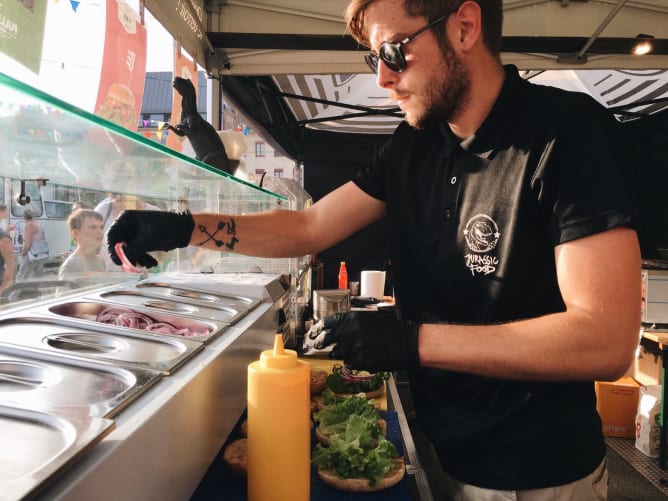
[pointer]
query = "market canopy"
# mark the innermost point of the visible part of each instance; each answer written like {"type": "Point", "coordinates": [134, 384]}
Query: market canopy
{"type": "Point", "coordinates": [289, 65]}
{"type": "Point", "coordinates": [271, 37]}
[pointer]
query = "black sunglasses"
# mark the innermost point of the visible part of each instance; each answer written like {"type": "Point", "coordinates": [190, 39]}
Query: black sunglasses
{"type": "Point", "coordinates": [392, 54]}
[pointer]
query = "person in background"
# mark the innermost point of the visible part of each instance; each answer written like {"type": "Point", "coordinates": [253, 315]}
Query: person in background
{"type": "Point", "coordinates": [79, 204]}
{"type": "Point", "coordinates": [515, 259]}
{"type": "Point", "coordinates": [4, 218]}
{"type": "Point", "coordinates": [110, 208]}
{"type": "Point", "coordinates": [7, 261]}
{"type": "Point", "coordinates": [142, 205]}
{"type": "Point", "coordinates": [32, 233]}
{"type": "Point", "coordinates": [84, 264]}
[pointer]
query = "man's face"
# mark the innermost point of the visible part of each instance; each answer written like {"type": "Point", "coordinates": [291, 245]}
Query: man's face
{"type": "Point", "coordinates": [90, 236]}
{"type": "Point", "coordinates": [118, 205]}
{"type": "Point", "coordinates": [435, 84]}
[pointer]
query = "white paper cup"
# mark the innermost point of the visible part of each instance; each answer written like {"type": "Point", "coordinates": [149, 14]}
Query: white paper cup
{"type": "Point", "coordinates": [372, 284]}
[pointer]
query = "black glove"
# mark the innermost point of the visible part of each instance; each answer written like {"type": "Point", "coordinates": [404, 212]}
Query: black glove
{"type": "Point", "coordinates": [372, 340]}
{"type": "Point", "coordinates": [142, 231]}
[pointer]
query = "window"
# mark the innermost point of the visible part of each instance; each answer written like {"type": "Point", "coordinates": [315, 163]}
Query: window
{"type": "Point", "coordinates": [259, 171]}
{"type": "Point", "coordinates": [259, 149]}
{"type": "Point", "coordinates": [278, 172]}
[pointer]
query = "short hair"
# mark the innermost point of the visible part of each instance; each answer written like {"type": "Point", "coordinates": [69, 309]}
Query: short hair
{"type": "Point", "coordinates": [3, 207]}
{"type": "Point", "coordinates": [492, 18]}
{"type": "Point", "coordinates": [81, 205]}
{"type": "Point", "coordinates": [27, 214]}
{"type": "Point", "coordinates": [76, 219]}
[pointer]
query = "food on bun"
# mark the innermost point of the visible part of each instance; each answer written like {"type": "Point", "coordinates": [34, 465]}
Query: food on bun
{"type": "Point", "coordinates": [353, 453]}
{"type": "Point", "coordinates": [236, 456]}
{"type": "Point", "coordinates": [318, 382]}
{"type": "Point", "coordinates": [363, 484]}
{"type": "Point", "coordinates": [345, 381]}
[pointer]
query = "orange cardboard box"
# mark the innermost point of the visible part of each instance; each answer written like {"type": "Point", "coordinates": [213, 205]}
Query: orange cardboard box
{"type": "Point", "coordinates": [617, 404]}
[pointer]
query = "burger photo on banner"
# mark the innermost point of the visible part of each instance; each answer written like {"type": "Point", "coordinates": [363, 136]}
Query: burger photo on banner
{"type": "Point", "coordinates": [123, 66]}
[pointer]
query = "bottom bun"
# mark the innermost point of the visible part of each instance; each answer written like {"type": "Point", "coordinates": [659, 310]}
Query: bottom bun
{"type": "Point", "coordinates": [363, 484]}
{"type": "Point", "coordinates": [236, 456]}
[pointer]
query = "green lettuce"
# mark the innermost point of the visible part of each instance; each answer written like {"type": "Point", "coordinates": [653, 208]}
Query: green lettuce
{"type": "Point", "coordinates": [357, 447]}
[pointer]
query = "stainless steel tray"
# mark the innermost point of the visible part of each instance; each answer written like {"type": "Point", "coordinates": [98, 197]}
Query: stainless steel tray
{"type": "Point", "coordinates": [162, 303]}
{"type": "Point", "coordinates": [37, 445]}
{"type": "Point", "coordinates": [124, 346]}
{"type": "Point", "coordinates": [200, 296]}
{"type": "Point", "coordinates": [41, 380]}
{"type": "Point", "coordinates": [88, 309]}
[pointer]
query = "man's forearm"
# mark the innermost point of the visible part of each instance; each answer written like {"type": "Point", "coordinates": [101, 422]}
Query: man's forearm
{"type": "Point", "coordinates": [280, 233]}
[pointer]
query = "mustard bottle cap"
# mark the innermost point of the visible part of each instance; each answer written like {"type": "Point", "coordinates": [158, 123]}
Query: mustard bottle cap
{"type": "Point", "coordinates": [279, 357]}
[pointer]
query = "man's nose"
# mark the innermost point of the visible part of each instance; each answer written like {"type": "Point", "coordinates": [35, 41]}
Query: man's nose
{"type": "Point", "coordinates": [386, 78]}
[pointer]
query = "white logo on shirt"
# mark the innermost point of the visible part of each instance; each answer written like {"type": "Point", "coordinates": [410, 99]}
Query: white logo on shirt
{"type": "Point", "coordinates": [481, 235]}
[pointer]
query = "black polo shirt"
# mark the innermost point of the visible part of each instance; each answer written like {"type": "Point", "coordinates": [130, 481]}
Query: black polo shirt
{"type": "Point", "coordinates": [474, 224]}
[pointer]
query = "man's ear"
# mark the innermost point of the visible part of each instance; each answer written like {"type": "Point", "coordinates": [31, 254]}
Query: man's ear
{"type": "Point", "coordinates": [467, 26]}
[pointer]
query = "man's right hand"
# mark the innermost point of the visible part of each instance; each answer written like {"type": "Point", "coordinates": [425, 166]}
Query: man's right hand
{"type": "Point", "coordinates": [143, 231]}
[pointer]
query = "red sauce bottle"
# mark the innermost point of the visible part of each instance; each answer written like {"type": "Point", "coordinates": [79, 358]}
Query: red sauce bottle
{"type": "Point", "coordinates": [343, 276]}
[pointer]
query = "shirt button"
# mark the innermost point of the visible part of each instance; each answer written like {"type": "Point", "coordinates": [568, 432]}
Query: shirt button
{"type": "Point", "coordinates": [453, 180]}
{"type": "Point", "coordinates": [448, 213]}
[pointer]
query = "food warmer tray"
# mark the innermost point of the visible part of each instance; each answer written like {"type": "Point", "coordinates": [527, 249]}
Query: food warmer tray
{"type": "Point", "coordinates": [199, 296]}
{"type": "Point", "coordinates": [125, 346]}
{"type": "Point", "coordinates": [220, 313]}
{"type": "Point", "coordinates": [36, 445]}
{"type": "Point", "coordinates": [40, 380]}
{"type": "Point", "coordinates": [87, 310]}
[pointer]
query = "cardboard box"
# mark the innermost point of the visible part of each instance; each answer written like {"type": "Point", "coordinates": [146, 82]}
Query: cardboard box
{"type": "Point", "coordinates": [647, 365]}
{"type": "Point", "coordinates": [617, 404]}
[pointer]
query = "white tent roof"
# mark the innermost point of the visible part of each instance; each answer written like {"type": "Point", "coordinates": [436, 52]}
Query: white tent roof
{"type": "Point", "coordinates": [272, 37]}
{"type": "Point", "coordinates": [303, 47]}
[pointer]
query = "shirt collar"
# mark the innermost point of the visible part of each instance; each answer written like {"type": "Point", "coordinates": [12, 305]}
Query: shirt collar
{"type": "Point", "coordinates": [487, 138]}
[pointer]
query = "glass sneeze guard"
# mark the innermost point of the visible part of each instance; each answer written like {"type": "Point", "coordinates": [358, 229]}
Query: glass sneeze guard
{"type": "Point", "coordinates": [53, 154]}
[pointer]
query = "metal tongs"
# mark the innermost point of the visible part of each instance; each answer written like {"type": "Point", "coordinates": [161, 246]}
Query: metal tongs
{"type": "Point", "coordinates": [313, 340]}
{"type": "Point", "coordinates": [126, 265]}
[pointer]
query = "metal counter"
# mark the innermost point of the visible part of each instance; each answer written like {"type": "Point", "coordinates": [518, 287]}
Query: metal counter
{"type": "Point", "coordinates": [165, 436]}
{"type": "Point", "coordinates": [164, 442]}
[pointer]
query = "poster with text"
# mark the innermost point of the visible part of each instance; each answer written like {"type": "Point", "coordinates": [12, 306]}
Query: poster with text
{"type": "Point", "coordinates": [22, 31]}
{"type": "Point", "coordinates": [123, 72]}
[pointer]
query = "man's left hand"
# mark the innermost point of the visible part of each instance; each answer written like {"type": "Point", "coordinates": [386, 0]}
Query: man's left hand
{"type": "Point", "coordinates": [374, 341]}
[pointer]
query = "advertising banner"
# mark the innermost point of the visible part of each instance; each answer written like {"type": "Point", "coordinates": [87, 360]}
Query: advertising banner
{"type": "Point", "coordinates": [22, 31]}
{"type": "Point", "coordinates": [123, 72]}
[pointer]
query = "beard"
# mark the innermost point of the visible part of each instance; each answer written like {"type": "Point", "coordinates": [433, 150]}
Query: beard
{"type": "Point", "coordinates": [444, 96]}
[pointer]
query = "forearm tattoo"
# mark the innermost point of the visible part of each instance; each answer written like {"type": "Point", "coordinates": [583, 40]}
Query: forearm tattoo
{"type": "Point", "coordinates": [224, 235]}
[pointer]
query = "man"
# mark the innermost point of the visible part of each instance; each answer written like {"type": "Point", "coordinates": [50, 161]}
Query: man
{"type": "Point", "coordinates": [110, 208]}
{"type": "Point", "coordinates": [516, 265]}
{"type": "Point", "coordinates": [84, 264]}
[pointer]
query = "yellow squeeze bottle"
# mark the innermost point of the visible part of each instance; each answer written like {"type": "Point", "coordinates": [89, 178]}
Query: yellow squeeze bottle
{"type": "Point", "coordinates": [279, 433]}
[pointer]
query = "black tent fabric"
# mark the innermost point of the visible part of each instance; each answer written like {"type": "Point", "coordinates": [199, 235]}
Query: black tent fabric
{"type": "Point", "coordinates": [649, 163]}
{"type": "Point", "coordinates": [330, 159]}
{"type": "Point", "coordinates": [266, 110]}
